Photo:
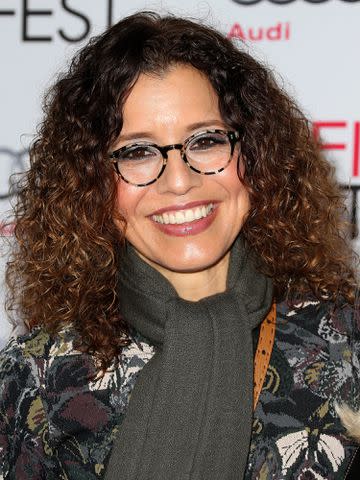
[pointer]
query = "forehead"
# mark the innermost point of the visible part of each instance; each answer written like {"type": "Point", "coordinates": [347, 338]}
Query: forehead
{"type": "Point", "coordinates": [180, 96]}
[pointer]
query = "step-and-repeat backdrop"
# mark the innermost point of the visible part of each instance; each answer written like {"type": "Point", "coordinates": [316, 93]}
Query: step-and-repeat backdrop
{"type": "Point", "coordinates": [312, 44]}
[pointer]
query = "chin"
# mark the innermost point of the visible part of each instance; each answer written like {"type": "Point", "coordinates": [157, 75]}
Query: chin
{"type": "Point", "coordinates": [191, 264]}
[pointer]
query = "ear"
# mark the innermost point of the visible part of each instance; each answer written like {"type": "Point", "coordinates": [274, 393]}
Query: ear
{"type": "Point", "coordinates": [350, 419]}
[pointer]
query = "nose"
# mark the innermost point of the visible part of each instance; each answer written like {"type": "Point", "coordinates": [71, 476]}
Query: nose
{"type": "Point", "coordinates": [177, 178]}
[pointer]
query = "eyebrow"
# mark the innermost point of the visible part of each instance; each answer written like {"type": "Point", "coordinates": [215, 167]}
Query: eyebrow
{"type": "Point", "coordinates": [189, 128]}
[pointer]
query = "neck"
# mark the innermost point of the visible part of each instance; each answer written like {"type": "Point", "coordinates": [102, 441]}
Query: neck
{"type": "Point", "coordinates": [194, 286]}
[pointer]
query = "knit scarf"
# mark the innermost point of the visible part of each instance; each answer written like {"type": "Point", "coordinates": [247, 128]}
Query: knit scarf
{"type": "Point", "coordinates": [190, 412]}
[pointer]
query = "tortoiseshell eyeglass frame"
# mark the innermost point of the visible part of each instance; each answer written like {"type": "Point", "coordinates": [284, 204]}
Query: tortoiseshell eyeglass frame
{"type": "Point", "coordinates": [233, 136]}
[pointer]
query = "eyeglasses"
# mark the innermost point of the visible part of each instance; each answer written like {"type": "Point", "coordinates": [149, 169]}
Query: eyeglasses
{"type": "Point", "coordinates": [206, 153]}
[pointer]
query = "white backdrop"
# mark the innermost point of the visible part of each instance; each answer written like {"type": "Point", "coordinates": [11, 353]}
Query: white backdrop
{"type": "Point", "coordinates": [313, 45]}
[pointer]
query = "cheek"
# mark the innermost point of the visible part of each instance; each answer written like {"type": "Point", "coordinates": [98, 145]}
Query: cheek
{"type": "Point", "coordinates": [243, 193]}
{"type": "Point", "coordinates": [241, 201]}
{"type": "Point", "coordinates": [244, 202]}
{"type": "Point", "coordinates": [236, 188]}
{"type": "Point", "coordinates": [128, 200]}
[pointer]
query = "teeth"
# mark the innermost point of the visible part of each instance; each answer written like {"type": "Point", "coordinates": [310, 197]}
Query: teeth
{"type": "Point", "coordinates": [179, 217]}
{"type": "Point", "coordinates": [197, 213]}
{"type": "Point", "coordinates": [184, 216]}
{"type": "Point", "coordinates": [189, 215]}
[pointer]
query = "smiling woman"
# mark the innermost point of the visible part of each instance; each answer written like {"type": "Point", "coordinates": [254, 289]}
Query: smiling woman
{"type": "Point", "coordinates": [162, 224]}
{"type": "Point", "coordinates": [183, 270]}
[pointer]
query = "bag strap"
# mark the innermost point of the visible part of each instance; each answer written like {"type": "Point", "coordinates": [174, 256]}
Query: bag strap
{"type": "Point", "coordinates": [263, 351]}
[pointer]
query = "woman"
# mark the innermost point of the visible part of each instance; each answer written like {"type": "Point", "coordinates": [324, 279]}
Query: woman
{"type": "Point", "coordinates": [177, 226]}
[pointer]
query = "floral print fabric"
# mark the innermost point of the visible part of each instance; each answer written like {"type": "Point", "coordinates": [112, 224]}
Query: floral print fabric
{"type": "Point", "coordinates": [315, 363]}
{"type": "Point", "coordinates": [56, 424]}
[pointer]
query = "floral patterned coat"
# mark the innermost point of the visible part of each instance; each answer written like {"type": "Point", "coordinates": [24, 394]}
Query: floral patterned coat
{"type": "Point", "coordinates": [56, 424]}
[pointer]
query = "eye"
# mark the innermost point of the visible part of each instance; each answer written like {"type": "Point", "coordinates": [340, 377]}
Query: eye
{"type": "Point", "coordinates": [139, 153]}
{"type": "Point", "coordinates": [207, 141]}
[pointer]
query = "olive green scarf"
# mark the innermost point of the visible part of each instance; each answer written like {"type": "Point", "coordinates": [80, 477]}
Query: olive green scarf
{"type": "Point", "coordinates": [189, 416]}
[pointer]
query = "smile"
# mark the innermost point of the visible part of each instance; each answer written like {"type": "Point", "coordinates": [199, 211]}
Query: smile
{"type": "Point", "coordinates": [183, 216]}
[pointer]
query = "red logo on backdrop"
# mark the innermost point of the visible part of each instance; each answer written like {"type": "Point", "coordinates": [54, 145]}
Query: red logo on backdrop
{"type": "Point", "coordinates": [277, 32]}
{"type": "Point", "coordinates": [6, 230]}
{"type": "Point", "coordinates": [353, 148]}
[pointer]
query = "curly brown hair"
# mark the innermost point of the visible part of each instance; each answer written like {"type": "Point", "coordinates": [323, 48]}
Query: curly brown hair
{"type": "Point", "coordinates": [64, 267]}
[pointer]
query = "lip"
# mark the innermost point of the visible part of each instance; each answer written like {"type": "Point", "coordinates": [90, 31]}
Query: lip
{"type": "Point", "coordinates": [188, 228]}
{"type": "Point", "coordinates": [183, 206]}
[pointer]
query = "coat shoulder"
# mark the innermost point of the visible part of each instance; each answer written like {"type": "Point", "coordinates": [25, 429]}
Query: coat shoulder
{"type": "Point", "coordinates": [338, 325]}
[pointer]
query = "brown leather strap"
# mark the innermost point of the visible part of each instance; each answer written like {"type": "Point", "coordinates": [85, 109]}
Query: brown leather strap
{"type": "Point", "coordinates": [263, 351]}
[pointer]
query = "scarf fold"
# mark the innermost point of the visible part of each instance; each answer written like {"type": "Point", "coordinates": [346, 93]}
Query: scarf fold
{"type": "Point", "coordinates": [189, 417]}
